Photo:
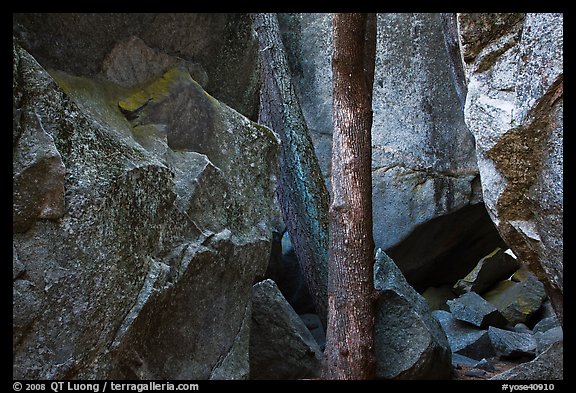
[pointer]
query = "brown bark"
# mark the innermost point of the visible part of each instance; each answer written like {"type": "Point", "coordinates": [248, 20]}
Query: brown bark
{"type": "Point", "coordinates": [301, 190]}
{"type": "Point", "coordinates": [349, 352]}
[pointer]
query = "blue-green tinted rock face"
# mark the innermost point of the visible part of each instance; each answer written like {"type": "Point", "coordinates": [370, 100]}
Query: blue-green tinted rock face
{"type": "Point", "coordinates": [146, 268]}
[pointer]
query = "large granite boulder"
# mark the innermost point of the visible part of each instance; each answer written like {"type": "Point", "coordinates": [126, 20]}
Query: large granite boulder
{"type": "Point", "coordinates": [134, 259]}
{"type": "Point", "coordinates": [514, 108]}
{"type": "Point", "coordinates": [409, 342]}
{"type": "Point", "coordinates": [281, 346]}
{"type": "Point", "coordinates": [423, 156]}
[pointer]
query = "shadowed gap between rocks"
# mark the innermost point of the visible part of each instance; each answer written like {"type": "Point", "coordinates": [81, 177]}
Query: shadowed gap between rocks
{"type": "Point", "coordinates": [438, 252]}
{"type": "Point", "coordinates": [446, 248]}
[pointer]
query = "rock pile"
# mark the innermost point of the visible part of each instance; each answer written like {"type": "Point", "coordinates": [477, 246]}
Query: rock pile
{"type": "Point", "coordinates": [500, 313]}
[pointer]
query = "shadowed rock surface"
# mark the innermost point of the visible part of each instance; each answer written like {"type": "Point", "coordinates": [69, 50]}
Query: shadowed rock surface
{"type": "Point", "coordinates": [219, 46]}
{"type": "Point", "coordinates": [463, 338]}
{"type": "Point", "coordinates": [423, 157]}
{"type": "Point", "coordinates": [281, 346]}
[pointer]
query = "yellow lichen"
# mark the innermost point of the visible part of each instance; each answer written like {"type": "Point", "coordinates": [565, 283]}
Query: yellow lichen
{"type": "Point", "coordinates": [155, 91]}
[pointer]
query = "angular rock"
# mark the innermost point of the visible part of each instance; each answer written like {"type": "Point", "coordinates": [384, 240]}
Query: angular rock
{"type": "Point", "coordinates": [510, 344]}
{"type": "Point", "coordinates": [109, 286]}
{"type": "Point", "coordinates": [222, 44]}
{"type": "Point", "coordinates": [549, 365]}
{"type": "Point", "coordinates": [495, 267]}
{"type": "Point", "coordinates": [38, 174]}
{"type": "Point", "coordinates": [514, 108]}
{"type": "Point", "coordinates": [461, 360]}
{"type": "Point", "coordinates": [421, 146]}
{"type": "Point", "coordinates": [517, 301]}
{"type": "Point", "coordinates": [463, 338]}
{"type": "Point", "coordinates": [521, 274]}
{"type": "Point", "coordinates": [281, 346]}
{"type": "Point", "coordinates": [547, 338]}
{"type": "Point", "coordinates": [436, 297]}
{"type": "Point", "coordinates": [472, 308]}
{"type": "Point", "coordinates": [546, 324]}
{"type": "Point", "coordinates": [409, 342]}
{"type": "Point", "coordinates": [486, 365]}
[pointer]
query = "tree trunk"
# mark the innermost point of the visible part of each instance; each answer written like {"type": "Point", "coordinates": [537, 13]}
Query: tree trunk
{"type": "Point", "coordinates": [301, 190]}
{"type": "Point", "coordinates": [349, 352]}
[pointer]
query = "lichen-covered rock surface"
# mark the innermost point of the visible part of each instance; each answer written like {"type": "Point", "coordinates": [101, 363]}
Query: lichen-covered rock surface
{"type": "Point", "coordinates": [514, 108]}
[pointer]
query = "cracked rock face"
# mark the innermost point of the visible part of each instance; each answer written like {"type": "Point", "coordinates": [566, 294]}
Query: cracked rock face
{"type": "Point", "coordinates": [133, 259]}
{"type": "Point", "coordinates": [514, 108]}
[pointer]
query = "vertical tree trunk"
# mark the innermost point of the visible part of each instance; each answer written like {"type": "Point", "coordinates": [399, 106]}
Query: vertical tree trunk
{"type": "Point", "coordinates": [349, 352]}
{"type": "Point", "coordinates": [301, 190]}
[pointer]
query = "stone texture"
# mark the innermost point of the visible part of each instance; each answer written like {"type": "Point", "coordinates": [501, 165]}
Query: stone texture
{"type": "Point", "coordinates": [547, 338]}
{"type": "Point", "coordinates": [281, 346]}
{"type": "Point", "coordinates": [546, 332]}
{"type": "Point", "coordinates": [517, 301]}
{"type": "Point", "coordinates": [436, 297]}
{"type": "Point", "coordinates": [38, 170]}
{"type": "Point", "coordinates": [495, 267]}
{"type": "Point", "coordinates": [423, 158]}
{"type": "Point", "coordinates": [546, 324]}
{"type": "Point", "coordinates": [409, 342]}
{"type": "Point", "coordinates": [148, 273]}
{"type": "Point", "coordinates": [463, 338]}
{"type": "Point", "coordinates": [549, 365]}
{"type": "Point", "coordinates": [482, 28]}
{"type": "Point", "coordinates": [510, 344]}
{"type": "Point", "coordinates": [472, 308]}
{"type": "Point", "coordinates": [514, 108]}
{"type": "Point", "coordinates": [132, 63]}
{"type": "Point", "coordinates": [224, 45]}
{"type": "Point", "coordinates": [461, 360]}
{"type": "Point", "coordinates": [486, 365]}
